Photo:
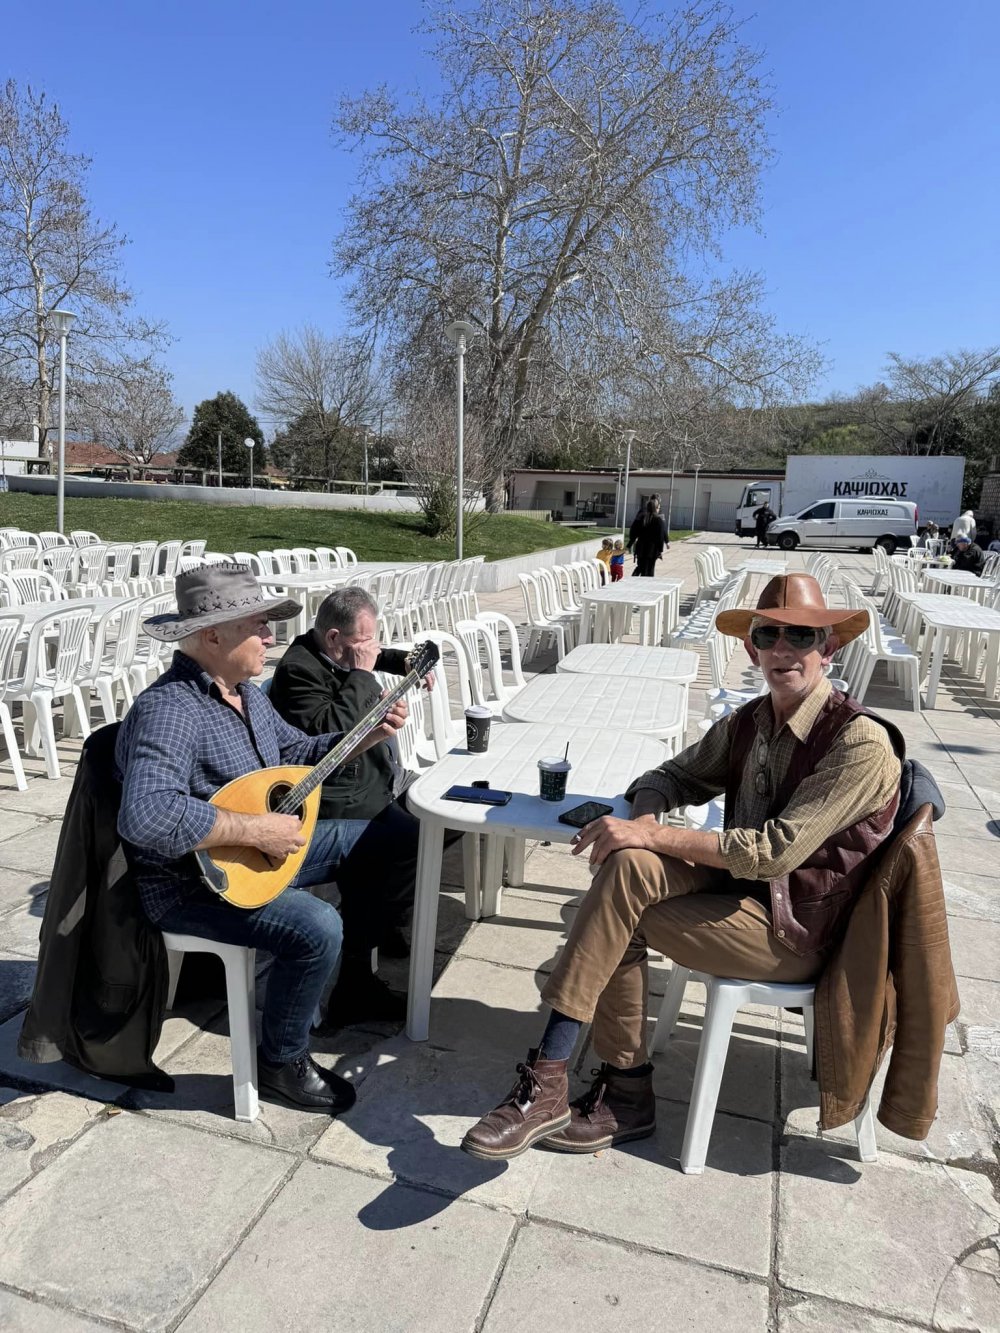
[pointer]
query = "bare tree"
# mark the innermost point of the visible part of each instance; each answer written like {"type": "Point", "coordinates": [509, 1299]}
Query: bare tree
{"type": "Point", "coordinates": [129, 406]}
{"type": "Point", "coordinates": [914, 410]}
{"type": "Point", "coordinates": [325, 387]}
{"type": "Point", "coordinates": [562, 193]}
{"type": "Point", "coordinates": [54, 253]}
{"type": "Point", "coordinates": [425, 454]}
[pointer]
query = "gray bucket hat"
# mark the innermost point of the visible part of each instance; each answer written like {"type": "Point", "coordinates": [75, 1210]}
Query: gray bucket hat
{"type": "Point", "coordinates": [213, 595]}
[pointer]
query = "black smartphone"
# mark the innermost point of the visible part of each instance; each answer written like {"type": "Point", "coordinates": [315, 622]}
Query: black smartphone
{"type": "Point", "coordinates": [477, 795]}
{"type": "Point", "coordinates": [584, 814]}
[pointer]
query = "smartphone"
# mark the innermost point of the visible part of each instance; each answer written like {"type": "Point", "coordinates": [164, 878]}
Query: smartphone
{"type": "Point", "coordinates": [583, 814]}
{"type": "Point", "coordinates": [477, 795]}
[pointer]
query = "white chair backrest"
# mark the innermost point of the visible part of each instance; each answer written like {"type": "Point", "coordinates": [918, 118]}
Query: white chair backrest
{"type": "Point", "coordinates": [504, 631]}
{"type": "Point", "coordinates": [144, 553]}
{"type": "Point", "coordinates": [549, 593]}
{"type": "Point", "coordinates": [286, 564]}
{"type": "Point", "coordinates": [54, 664]}
{"type": "Point", "coordinates": [380, 585]}
{"type": "Point", "coordinates": [23, 586]}
{"type": "Point", "coordinates": [115, 639]}
{"type": "Point", "coordinates": [167, 559]}
{"type": "Point", "coordinates": [193, 549]}
{"type": "Point", "coordinates": [18, 537]}
{"type": "Point", "coordinates": [10, 632]}
{"type": "Point", "coordinates": [19, 557]}
{"type": "Point", "coordinates": [254, 561]}
{"type": "Point", "coordinates": [48, 539]}
{"type": "Point", "coordinates": [117, 563]}
{"type": "Point", "coordinates": [347, 556]}
{"type": "Point", "coordinates": [309, 561]}
{"type": "Point", "coordinates": [61, 563]}
{"type": "Point", "coordinates": [328, 558]}
{"type": "Point", "coordinates": [81, 537]}
{"type": "Point", "coordinates": [151, 652]}
{"type": "Point", "coordinates": [532, 600]}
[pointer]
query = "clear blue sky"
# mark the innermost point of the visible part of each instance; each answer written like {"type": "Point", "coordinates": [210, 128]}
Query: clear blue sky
{"type": "Point", "coordinates": [209, 128]}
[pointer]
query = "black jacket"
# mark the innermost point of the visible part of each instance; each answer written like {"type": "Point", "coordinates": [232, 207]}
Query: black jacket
{"type": "Point", "coordinates": [648, 535]}
{"type": "Point", "coordinates": [312, 694]}
{"type": "Point", "coordinates": [101, 985]}
{"type": "Point", "coordinates": [969, 558]}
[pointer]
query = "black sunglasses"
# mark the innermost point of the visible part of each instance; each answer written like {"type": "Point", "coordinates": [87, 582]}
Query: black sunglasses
{"type": "Point", "coordinates": [800, 637]}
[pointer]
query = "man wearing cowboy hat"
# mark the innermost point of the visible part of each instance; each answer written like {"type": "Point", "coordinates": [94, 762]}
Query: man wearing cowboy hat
{"type": "Point", "coordinates": [196, 728]}
{"type": "Point", "coordinates": [811, 785]}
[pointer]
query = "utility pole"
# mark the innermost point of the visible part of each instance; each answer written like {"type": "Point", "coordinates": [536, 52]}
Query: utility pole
{"type": "Point", "coordinates": [218, 442]}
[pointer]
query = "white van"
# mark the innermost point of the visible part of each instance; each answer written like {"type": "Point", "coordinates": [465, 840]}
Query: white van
{"type": "Point", "coordinates": [847, 525]}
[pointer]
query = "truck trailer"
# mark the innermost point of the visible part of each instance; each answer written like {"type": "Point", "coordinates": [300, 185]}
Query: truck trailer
{"type": "Point", "coordinates": [934, 485]}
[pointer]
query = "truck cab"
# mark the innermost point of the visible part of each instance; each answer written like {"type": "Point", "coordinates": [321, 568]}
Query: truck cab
{"type": "Point", "coordinates": [755, 495]}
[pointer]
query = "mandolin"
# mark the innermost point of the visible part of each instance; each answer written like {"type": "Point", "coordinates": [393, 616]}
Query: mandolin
{"type": "Point", "coordinates": [246, 876]}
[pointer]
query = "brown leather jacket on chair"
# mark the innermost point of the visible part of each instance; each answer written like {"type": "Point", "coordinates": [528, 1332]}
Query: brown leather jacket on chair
{"type": "Point", "coordinates": [890, 982]}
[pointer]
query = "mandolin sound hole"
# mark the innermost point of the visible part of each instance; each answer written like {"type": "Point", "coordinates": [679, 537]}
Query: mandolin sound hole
{"type": "Point", "coordinates": [275, 797]}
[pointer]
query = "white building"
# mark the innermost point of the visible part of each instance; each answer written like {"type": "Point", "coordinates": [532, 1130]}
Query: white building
{"type": "Point", "coordinates": [705, 500]}
{"type": "Point", "coordinates": [15, 455]}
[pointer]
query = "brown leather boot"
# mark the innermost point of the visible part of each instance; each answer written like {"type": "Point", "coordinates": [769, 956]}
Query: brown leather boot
{"type": "Point", "coordinates": [614, 1110]}
{"type": "Point", "coordinates": [537, 1104]}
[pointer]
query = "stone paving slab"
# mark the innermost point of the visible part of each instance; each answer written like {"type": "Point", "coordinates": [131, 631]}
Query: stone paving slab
{"type": "Point", "coordinates": [19, 928]}
{"type": "Point", "coordinates": [18, 1315]}
{"type": "Point", "coordinates": [410, 1118]}
{"type": "Point", "coordinates": [975, 947]}
{"type": "Point", "coordinates": [18, 887]}
{"type": "Point", "coordinates": [900, 1233]}
{"type": "Point", "coordinates": [748, 1081]}
{"type": "Point", "coordinates": [151, 1209]}
{"type": "Point", "coordinates": [481, 1007]}
{"type": "Point", "coordinates": [15, 824]}
{"type": "Point", "coordinates": [974, 896]}
{"type": "Point", "coordinates": [962, 1131]}
{"type": "Point", "coordinates": [527, 933]}
{"type": "Point", "coordinates": [33, 849]}
{"type": "Point", "coordinates": [637, 1193]}
{"type": "Point", "coordinates": [556, 1280]}
{"type": "Point", "coordinates": [337, 1250]}
{"type": "Point", "coordinates": [33, 1128]}
{"type": "Point", "coordinates": [805, 1314]}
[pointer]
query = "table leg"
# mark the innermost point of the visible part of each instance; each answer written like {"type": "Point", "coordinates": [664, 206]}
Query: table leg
{"type": "Point", "coordinates": [992, 664]}
{"type": "Point", "coordinates": [587, 611]}
{"type": "Point", "coordinates": [938, 638]}
{"type": "Point", "coordinates": [425, 910]}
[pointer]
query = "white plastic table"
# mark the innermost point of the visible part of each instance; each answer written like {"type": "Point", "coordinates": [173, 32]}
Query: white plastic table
{"type": "Point", "coordinates": [943, 615]}
{"type": "Point", "coordinates": [610, 610]}
{"type": "Point", "coordinates": [655, 708]}
{"type": "Point", "coordinates": [631, 659]}
{"type": "Point", "coordinates": [604, 764]}
{"type": "Point", "coordinates": [962, 581]}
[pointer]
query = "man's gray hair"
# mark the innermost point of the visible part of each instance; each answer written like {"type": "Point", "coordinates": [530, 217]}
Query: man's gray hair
{"type": "Point", "coordinates": [341, 609]}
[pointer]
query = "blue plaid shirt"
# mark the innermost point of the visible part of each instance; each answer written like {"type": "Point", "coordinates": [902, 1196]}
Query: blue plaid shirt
{"type": "Point", "coordinates": [178, 745]}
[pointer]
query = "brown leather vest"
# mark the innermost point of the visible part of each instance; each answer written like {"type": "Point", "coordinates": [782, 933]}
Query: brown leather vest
{"type": "Point", "coordinates": [810, 905]}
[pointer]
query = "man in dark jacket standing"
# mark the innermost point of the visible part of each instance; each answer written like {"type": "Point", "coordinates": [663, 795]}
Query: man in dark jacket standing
{"type": "Point", "coordinates": [325, 682]}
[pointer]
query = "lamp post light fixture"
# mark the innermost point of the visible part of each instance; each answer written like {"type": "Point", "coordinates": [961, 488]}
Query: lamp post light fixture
{"type": "Point", "coordinates": [251, 444]}
{"type": "Point", "coordinates": [459, 332]}
{"type": "Point", "coordinates": [62, 321]}
{"type": "Point", "coordinates": [629, 437]}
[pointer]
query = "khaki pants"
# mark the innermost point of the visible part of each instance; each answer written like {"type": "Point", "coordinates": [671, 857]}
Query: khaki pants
{"type": "Point", "coordinates": [637, 899]}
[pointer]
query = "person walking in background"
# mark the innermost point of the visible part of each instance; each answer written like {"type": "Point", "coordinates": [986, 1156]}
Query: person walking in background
{"type": "Point", "coordinates": [604, 555]}
{"type": "Point", "coordinates": [964, 526]}
{"type": "Point", "coordinates": [762, 517]}
{"type": "Point", "coordinates": [617, 562]}
{"type": "Point", "coordinates": [648, 538]}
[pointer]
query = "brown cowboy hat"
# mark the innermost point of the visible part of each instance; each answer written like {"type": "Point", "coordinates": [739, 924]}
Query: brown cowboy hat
{"type": "Point", "coordinates": [794, 599]}
{"type": "Point", "coordinates": [214, 595]}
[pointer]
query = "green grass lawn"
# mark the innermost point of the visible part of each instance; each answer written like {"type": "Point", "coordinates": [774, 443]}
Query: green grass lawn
{"type": "Point", "coordinates": [372, 536]}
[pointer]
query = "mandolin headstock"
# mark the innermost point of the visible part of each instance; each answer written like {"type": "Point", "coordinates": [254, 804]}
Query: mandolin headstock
{"type": "Point", "coordinates": [423, 658]}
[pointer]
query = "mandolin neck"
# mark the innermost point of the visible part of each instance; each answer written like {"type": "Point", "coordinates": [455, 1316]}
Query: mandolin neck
{"type": "Point", "coordinates": [292, 801]}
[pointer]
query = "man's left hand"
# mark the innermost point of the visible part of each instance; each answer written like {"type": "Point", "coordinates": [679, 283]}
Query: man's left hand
{"type": "Point", "coordinates": [429, 681]}
{"type": "Point", "coordinates": [607, 834]}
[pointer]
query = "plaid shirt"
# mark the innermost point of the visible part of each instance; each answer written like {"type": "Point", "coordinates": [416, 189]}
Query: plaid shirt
{"type": "Point", "coordinates": [178, 745]}
{"type": "Point", "coordinates": [854, 779]}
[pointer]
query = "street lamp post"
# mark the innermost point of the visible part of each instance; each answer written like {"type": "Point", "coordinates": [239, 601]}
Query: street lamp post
{"type": "Point", "coordinates": [364, 465]}
{"type": "Point", "coordinates": [61, 322]}
{"type": "Point", "coordinates": [629, 437]}
{"type": "Point", "coordinates": [250, 444]}
{"type": "Point", "coordinates": [459, 332]}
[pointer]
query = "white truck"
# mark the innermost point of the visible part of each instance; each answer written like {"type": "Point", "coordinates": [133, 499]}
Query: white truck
{"type": "Point", "coordinates": [934, 485]}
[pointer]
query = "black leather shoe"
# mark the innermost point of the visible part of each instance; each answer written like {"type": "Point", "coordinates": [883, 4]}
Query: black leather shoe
{"type": "Point", "coordinates": [303, 1084]}
{"type": "Point", "coordinates": [361, 998]}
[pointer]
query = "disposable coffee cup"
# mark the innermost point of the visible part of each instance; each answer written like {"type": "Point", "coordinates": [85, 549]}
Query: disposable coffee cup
{"type": "Point", "coordinates": [477, 729]}
{"type": "Point", "coordinates": [553, 775]}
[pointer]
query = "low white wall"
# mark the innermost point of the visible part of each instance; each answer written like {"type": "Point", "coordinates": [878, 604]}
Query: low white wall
{"type": "Point", "coordinates": [496, 575]}
{"type": "Point", "coordinates": [92, 488]}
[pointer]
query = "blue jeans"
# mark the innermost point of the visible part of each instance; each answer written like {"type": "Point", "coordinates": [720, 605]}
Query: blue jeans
{"type": "Point", "coordinates": [374, 862]}
{"type": "Point", "coordinates": [302, 932]}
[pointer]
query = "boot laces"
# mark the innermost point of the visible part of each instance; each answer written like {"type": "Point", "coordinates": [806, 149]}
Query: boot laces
{"type": "Point", "coordinates": [593, 1099]}
{"type": "Point", "coordinates": [527, 1087]}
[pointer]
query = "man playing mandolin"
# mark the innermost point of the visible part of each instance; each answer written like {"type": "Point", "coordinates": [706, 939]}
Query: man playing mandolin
{"type": "Point", "coordinates": [197, 728]}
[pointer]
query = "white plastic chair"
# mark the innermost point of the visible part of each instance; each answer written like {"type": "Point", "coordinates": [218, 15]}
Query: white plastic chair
{"type": "Point", "coordinates": [346, 556]}
{"type": "Point", "coordinates": [150, 655]}
{"type": "Point", "coordinates": [10, 630]}
{"type": "Point", "coordinates": [18, 557]}
{"type": "Point", "coordinates": [725, 996]}
{"type": "Point", "coordinates": [113, 657]}
{"type": "Point", "coordinates": [50, 539]}
{"type": "Point", "coordinates": [51, 672]}
{"type": "Point", "coordinates": [81, 537]}
{"type": "Point", "coordinates": [539, 625]}
{"type": "Point", "coordinates": [241, 993]}
{"type": "Point", "coordinates": [61, 563]}
{"type": "Point", "coordinates": [19, 587]}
